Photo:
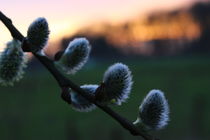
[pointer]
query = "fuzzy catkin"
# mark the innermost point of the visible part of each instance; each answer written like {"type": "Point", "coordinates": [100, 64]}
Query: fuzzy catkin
{"type": "Point", "coordinates": [118, 83]}
{"type": "Point", "coordinates": [75, 56]}
{"type": "Point", "coordinates": [79, 103]}
{"type": "Point", "coordinates": [38, 34]}
{"type": "Point", "coordinates": [154, 110]}
{"type": "Point", "coordinates": [12, 63]}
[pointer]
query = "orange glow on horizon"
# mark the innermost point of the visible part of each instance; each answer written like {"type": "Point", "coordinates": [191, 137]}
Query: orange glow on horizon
{"type": "Point", "coordinates": [182, 26]}
{"type": "Point", "coordinates": [66, 17]}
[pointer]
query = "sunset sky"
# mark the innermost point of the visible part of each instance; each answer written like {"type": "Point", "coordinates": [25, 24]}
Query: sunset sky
{"type": "Point", "coordinates": [67, 16]}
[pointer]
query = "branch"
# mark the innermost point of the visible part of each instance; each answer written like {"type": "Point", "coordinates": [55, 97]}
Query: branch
{"type": "Point", "coordinates": [65, 83]}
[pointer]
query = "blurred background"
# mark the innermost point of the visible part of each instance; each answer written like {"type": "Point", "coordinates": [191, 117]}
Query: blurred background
{"type": "Point", "coordinates": [165, 43]}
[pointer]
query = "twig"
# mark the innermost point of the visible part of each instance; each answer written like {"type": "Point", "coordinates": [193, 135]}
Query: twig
{"type": "Point", "coordinates": [65, 83]}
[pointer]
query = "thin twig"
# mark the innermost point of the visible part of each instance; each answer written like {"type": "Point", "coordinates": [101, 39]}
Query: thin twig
{"type": "Point", "coordinates": [65, 82]}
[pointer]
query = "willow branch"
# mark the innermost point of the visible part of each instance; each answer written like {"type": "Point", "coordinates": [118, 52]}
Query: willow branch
{"type": "Point", "coordinates": [65, 83]}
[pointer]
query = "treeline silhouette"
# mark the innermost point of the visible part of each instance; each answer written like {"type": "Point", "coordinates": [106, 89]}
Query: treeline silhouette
{"type": "Point", "coordinates": [201, 13]}
{"type": "Point", "coordinates": [104, 48]}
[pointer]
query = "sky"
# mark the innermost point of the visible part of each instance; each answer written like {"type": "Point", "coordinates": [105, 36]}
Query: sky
{"type": "Point", "coordinates": [67, 16]}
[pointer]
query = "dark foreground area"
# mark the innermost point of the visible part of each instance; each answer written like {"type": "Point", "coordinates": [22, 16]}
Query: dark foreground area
{"type": "Point", "coordinates": [33, 109]}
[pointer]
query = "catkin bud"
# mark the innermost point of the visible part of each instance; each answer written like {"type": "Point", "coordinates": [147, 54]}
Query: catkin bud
{"type": "Point", "coordinates": [38, 33]}
{"type": "Point", "coordinates": [154, 110]}
{"type": "Point", "coordinates": [118, 82]}
{"type": "Point", "coordinates": [12, 63]}
{"type": "Point", "coordinates": [75, 55]}
{"type": "Point", "coordinates": [79, 103]}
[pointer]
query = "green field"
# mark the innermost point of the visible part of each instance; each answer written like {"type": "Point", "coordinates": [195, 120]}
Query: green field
{"type": "Point", "coordinates": [33, 109]}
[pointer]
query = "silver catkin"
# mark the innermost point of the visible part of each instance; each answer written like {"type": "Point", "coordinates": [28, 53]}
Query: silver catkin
{"type": "Point", "coordinates": [154, 110]}
{"type": "Point", "coordinates": [79, 103]}
{"type": "Point", "coordinates": [38, 34]}
{"type": "Point", "coordinates": [12, 63]}
{"type": "Point", "coordinates": [75, 55]}
{"type": "Point", "coordinates": [118, 83]}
